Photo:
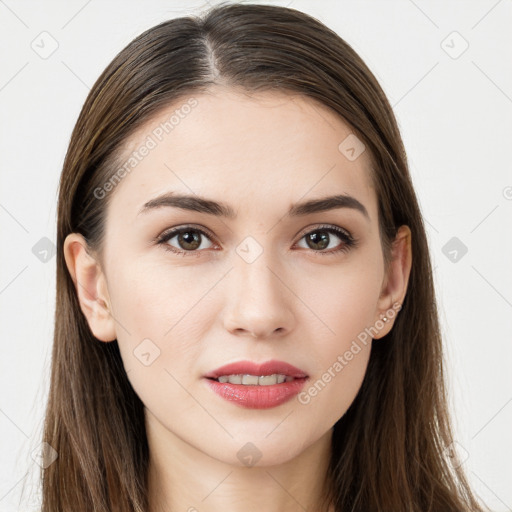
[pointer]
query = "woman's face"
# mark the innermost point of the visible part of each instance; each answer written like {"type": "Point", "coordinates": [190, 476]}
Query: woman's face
{"type": "Point", "coordinates": [266, 282]}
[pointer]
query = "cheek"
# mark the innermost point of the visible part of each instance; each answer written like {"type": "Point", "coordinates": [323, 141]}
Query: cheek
{"type": "Point", "coordinates": [331, 392]}
{"type": "Point", "coordinates": [156, 311]}
{"type": "Point", "coordinates": [157, 344]}
{"type": "Point", "coordinates": [153, 299]}
{"type": "Point", "coordinates": [341, 355]}
{"type": "Point", "coordinates": [345, 306]}
{"type": "Point", "coordinates": [344, 298]}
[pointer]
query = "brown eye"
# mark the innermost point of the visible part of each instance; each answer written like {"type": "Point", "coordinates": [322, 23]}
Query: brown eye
{"type": "Point", "coordinates": [320, 239]}
{"type": "Point", "coordinates": [188, 240]}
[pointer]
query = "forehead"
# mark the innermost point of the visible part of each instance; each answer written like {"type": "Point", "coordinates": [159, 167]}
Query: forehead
{"type": "Point", "coordinates": [248, 150]}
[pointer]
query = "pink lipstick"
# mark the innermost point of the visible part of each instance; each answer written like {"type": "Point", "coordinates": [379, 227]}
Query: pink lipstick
{"type": "Point", "coordinates": [257, 386]}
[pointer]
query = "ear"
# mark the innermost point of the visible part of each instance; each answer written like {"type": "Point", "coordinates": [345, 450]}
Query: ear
{"type": "Point", "coordinates": [91, 287]}
{"type": "Point", "coordinates": [394, 286]}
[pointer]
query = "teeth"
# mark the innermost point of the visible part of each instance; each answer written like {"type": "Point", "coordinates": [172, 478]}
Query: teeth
{"type": "Point", "coordinates": [251, 380]}
{"type": "Point", "coordinates": [254, 380]}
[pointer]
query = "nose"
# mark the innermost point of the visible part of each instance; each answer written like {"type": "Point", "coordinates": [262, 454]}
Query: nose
{"type": "Point", "coordinates": [259, 299]}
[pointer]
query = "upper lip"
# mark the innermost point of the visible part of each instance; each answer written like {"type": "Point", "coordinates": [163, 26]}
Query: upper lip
{"type": "Point", "coordinates": [251, 368]}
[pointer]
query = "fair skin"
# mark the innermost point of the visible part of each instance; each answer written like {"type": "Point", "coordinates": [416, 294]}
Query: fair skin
{"type": "Point", "coordinates": [259, 154]}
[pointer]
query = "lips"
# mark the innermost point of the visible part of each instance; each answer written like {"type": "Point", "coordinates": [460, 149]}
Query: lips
{"type": "Point", "coordinates": [250, 368]}
{"type": "Point", "coordinates": [263, 395]}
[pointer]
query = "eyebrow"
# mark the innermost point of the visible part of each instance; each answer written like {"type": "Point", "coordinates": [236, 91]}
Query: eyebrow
{"type": "Point", "coordinates": [219, 209]}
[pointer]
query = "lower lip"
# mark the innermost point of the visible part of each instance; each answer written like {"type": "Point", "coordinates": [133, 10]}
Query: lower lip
{"type": "Point", "coordinates": [257, 397]}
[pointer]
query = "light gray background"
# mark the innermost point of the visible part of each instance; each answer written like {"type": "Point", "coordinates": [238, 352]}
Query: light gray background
{"type": "Point", "coordinates": [454, 109]}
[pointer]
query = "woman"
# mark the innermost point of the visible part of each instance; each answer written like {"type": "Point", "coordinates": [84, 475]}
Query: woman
{"type": "Point", "coordinates": [246, 316]}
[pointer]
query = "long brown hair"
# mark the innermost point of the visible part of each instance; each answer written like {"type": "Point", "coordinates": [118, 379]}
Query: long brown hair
{"type": "Point", "coordinates": [390, 450]}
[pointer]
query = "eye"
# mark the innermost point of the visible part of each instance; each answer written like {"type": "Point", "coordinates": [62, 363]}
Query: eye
{"type": "Point", "coordinates": [320, 238]}
{"type": "Point", "coordinates": [188, 239]}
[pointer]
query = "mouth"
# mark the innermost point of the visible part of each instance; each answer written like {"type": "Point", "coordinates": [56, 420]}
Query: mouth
{"type": "Point", "coordinates": [254, 380]}
{"type": "Point", "coordinates": [257, 374]}
{"type": "Point", "coordinates": [257, 386]}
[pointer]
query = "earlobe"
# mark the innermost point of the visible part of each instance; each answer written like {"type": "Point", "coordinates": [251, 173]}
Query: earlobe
{"type": "Point", "coordinates": [90, 286]}
{"type": "Point", "coordinates": [396, 280]}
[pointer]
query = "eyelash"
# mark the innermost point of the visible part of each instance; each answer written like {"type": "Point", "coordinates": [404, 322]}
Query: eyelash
{"type": "Point", "coordinates": [348, 241]}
